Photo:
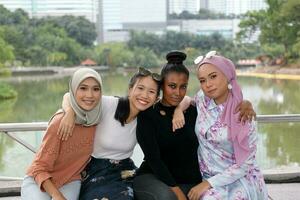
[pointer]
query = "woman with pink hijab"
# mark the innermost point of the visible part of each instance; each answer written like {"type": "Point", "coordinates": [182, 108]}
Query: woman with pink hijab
{"type": "Point", "coordinates": [227, 148]}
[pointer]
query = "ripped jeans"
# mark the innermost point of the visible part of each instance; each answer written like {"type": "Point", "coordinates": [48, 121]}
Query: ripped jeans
{"type": "Point", "coordinates": [105, 179]}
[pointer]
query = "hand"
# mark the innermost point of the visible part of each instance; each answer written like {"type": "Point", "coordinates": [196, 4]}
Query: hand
{"type": "Point", "coordinates": [178, 119]}
{"type": "Point", "coordinates": [65, 129]}
{"type": "Point", "coordinates": [178, 192]}
{"type": "Point", "coordinates": [196, 192]}
{"type": "Point", "coordinates": [246, 110]}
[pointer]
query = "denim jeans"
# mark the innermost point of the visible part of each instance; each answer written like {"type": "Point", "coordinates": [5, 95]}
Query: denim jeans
{"type": "Point", "coordinates": [110, 179]}
{"type": "Point", "coordinates": [31, 191]}
{"type": "Point", "coordinates": [148, 187]}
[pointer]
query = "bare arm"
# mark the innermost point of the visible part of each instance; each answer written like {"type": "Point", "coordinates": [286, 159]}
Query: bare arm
{"type": "Point", "coordinates": [68, 121]}
{"type": "Point", "coordinates": [178, 192]}
{"type": "Point", "coordinates": [50, 188]}
{"type": "Point", "coordinates": [178, 116]}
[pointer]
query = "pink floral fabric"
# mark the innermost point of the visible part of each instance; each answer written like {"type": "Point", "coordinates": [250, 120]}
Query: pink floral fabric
{"type": "Point", "coordinates": [218, 166]}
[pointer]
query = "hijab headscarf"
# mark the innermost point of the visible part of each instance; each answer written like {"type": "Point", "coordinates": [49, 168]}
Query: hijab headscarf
{"type": "Point", "coordinates": [86, 118]}
{"type": "Point", "coordinates": [238, 133]}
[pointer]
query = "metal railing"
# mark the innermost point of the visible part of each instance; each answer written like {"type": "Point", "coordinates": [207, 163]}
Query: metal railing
{"type": "Point", "coordinates": [10, 128]}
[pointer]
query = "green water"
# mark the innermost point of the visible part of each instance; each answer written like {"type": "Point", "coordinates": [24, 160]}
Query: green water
{"type": "Point", "coordinates": [39, 97]}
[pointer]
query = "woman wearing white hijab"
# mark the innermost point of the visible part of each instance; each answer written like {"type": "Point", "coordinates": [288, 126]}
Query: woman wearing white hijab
{"type": "Point", "coordinates": [55, 171]}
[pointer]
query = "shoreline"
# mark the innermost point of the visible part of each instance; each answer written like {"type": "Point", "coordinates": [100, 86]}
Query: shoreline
{"type": "Point", "coordinates": [271, 72]}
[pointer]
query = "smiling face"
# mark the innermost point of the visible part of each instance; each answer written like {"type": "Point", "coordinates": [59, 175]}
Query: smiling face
{"type": "Point", "coordinates": [174, 88]}
{"type": "Point", "coordinates": [143, 94]}
{"type": "Point", "coordinates": [213, 83]}
{"type": "Point", "coordinates": [88, 94]}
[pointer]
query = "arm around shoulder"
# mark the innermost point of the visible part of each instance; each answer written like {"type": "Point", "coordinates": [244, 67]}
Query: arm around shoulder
{"type": "Point", "coordinates": [68, 121]}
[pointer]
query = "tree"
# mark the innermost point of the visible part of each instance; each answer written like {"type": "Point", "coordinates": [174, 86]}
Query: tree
{"type": "Point", "coordinates": [17, 17]}
{"type": "Point", "coordinates": [144, 57]}
{"type": "Point", "coordinates": [279, 24]}
{"type": "Point", "coordinates": [114, 54]}
{"type": "Point", "coordinates": [56, 58]}
{"type": "Point", "coordinates": [202, 14]}
{"type": "Point", "coordinates": [79, 28]}
{"type": "Point", "coordinates": [6, 50]}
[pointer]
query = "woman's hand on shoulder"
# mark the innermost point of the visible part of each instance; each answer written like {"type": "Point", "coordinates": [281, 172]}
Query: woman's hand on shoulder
{"type": "Point", "coordinates": [178, 120]}
{"type": "Point", "coordinates": [65, 129]}
{"type": "Point", "coordinates": [246, 110]}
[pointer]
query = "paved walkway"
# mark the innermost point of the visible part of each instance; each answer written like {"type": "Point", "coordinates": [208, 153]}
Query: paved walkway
{"type": "Point", "coordinates": [284, 191]}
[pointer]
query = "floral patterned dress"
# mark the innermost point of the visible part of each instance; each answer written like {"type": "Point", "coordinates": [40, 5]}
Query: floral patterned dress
{"type": "Point", "coordinates": [229, 181]}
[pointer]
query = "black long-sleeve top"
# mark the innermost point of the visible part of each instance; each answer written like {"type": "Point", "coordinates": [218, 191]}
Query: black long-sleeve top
{"type": "Point", "coordinates": [170, 156]}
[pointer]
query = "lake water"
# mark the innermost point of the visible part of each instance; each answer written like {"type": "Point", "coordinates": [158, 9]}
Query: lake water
{"type": "Point", "coordinates": [39, 97]}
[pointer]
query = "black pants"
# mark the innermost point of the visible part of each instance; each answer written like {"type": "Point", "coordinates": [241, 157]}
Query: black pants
{"type": "Point", "coordinates": [148, 187]}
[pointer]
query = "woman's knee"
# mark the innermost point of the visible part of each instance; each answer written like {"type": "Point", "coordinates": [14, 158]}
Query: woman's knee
{"type": "Point", "coordinates": [31, 191]}
{"type": "Point", "coordinates": [71, 190]}
{"type": "Point", "coordinates": [148, 187]}
{"type": "Point", "coordinates": [154, 195]}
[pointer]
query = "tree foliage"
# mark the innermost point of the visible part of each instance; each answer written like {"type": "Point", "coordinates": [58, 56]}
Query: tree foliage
{"type": "Point", "coordinates": [202, 14]}
{"type": "Point", "coordinates": [46, 41]}
{"type": "Point", "coordinates": [6, 50]}
{"type": "Point", "coordinates": [79, 28]}
{"type": "Point", "coordinates": [193, 45]}
{"type": "Point", "coordinates": [279, 26]}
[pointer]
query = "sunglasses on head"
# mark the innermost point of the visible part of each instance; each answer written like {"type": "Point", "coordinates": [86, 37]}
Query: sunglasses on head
{"type": "Point", "coordinates": [145, 72]}
{"type": "Point", "coordinates": [199, 59]}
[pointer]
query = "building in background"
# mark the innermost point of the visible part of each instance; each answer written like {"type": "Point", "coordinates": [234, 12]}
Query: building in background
{"type": "Point", "coordinates": [117, 18]}
{"type": "Point", "coordinates": [42, 8]}
{"type": "Point", "coordinates": [114, 19]}
{"type": "Point", "coordinates": [236, 7]}
{"type": "Point", "coordinates": [178, 6]}
{"type": "Point", "coordinates": [226, 27]}
{"type": "Point", "coordinates": [203, 4]}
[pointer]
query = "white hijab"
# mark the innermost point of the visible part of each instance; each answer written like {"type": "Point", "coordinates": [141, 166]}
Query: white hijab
{"type": "Point", "coordinates": [86, 118]}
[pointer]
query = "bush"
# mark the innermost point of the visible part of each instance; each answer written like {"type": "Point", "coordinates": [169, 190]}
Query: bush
{"type": "Point", "coordinates": [7, 92]}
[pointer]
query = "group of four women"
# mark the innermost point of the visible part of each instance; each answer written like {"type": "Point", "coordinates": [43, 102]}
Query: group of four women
{"type": "Point", "coordinates": [183, 140]}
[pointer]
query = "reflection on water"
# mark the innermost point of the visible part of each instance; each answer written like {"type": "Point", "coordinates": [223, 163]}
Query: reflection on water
{"type": "Point", "coordinates": [39, 98]}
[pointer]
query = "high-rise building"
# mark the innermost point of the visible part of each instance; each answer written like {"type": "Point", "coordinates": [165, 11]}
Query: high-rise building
{"type": "Point", "coordinates": [236, 7]}
{"type": "Point", "coordinates": [203, 4]}
{"type": "Point", "coordinates": [117, 17]}
{"type": "Point", "coordinates": [178, 6]}
{"type": "Point", "coordinates": [242, 6]}
{"type": "Point", "coordinates": [41, 8]}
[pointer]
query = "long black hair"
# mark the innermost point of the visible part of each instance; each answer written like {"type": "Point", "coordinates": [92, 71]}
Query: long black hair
{"type": "Point", "coordinates": [174, 64]}
{"type": "Point", "coordinates": [123, 107]}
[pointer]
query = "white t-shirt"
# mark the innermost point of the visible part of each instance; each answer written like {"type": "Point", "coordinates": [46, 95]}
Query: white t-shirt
{"type": "Point", "coordinates": [112, 140]}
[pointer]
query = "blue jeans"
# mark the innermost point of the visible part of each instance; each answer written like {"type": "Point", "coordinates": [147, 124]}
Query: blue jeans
{"type": "Point", "coordinates": [31, 191]}
{"type": "Point", "coordinates": [111, 179]}
{"type": "Point", "coordinates": [148, 187]}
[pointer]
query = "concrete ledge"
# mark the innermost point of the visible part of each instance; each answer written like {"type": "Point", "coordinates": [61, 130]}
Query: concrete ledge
{"type": "Point", "coordinates": [284, 191]}
{"type": "Point", "coordinates": [10, 188]}
{"type": "Point", "coordinates": [282, 175]}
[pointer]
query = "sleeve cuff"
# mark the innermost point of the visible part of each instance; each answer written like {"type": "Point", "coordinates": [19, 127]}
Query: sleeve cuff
{"type": "Point", "coordinates": [39, 179]}
{"type": "Point", "coordinates": [212, 181]}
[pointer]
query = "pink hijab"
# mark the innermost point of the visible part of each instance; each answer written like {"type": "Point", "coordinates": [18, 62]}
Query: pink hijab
{"type": "Point", "coordinates": [238, 133]}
